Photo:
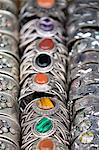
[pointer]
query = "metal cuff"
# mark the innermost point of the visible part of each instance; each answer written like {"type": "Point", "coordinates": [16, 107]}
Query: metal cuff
{"type": "Point", "coordinates": [79, 144]}
{"type": "Point", "coordinates": [55, 143]}
{"type": "Point", "coordinates": [88, 124]}
{"type": "Point", "coordinates": [38, 28]}
{"type": "Point", "coordinates": [47, 44]}
{"type": "Point", "coordinates": [8, 106]}
{"type": "Point", "coordinates": [9, 129]}
{"type": "Point", "coordinates": [82, 4]}
{"type": "Point", "coordinates": [6, 143]}
{"type": "Point", "coordinates": [87, 140]}
{"type": "Point", "coordinates": [84, 121]}
{"type": "Point", "coordinates": [49, 128]}
{"type": "Point", "coordinates": [90, 89]}
{"type": "Point", "coordinates": [76, 34]}
{"type": "Point", "coordinates": [83, 70]}
{"type": "Point", "coordinates": [32, 8]}
{"type": "Point", "coordinates": [8, 6]}
{"type": "Point", "coordinates": [43, 62]}
{"type": "Point", "coordinates": [9, 86]}
{"type": "Point", "coordinates": [85, 44]}
{"type": "Point", "coordinates": [91, 78]}
{"type": "Point", "coordinates": [8, 24]}
{"type": "Point", "coordinates": [9, 66]}
{"type": "Point", "coordinates": [45, 106]}
{"type": "Point", "coordinates": [84, 58]}
{"type": "Point", "coordinates": [51, 84]}
{"type": "Point", "coordinates": [8, 45]}
{"type": "Point", "coordinates": [85, 103]}
{"type": "Point", "coordinates": [84, 17]}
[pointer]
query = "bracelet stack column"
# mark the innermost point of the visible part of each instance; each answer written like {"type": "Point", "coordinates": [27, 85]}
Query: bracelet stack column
{"type": "Point", "coordinates": [83, 44]}
{"type": "Point", "coordinates": [43, 97]}
{"type": "Point", "coordinates": [9, 77]}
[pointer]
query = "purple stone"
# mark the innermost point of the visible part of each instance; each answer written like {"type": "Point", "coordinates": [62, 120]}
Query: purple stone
{"type": "Point", "coordinates": [46, 24]}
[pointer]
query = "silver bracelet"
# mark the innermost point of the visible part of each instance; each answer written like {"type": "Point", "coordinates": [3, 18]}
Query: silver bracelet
{"type": "Point", "coordinates": [47, 44]}
{"type": "Point", "coordinates": [81, 33]}
{"type": "Point", "coordinates": [6, 143]}
{"type": "Point", "coordinates": [43, 62]}
{"type": "Point", "coordinates": [48, 142]}
{"type": "Point", "coordinates": [84, 58]}
{"type": "Point", "coordinates": [87, 17]}
{"type": "Point", "coordinates": [90, 78]}
{"type": "Point", "coordinates": [9, 86]}
{"type": "Point", "coordinates": [9, 129]}
{"type": "Point", "coordinates": [85, 44]}
{"type": "Point", "coordinates": [9, 66]}
{"type": "Point", "coordinates": [45, 106]}
{"type": "Point", "coordinates": [9, 24]}
{"type": "Point", "coordinates": [43, 82]}
{"type": "Point", "coordinates": [89, 89]}
{"type": "Point", "coordinates": [9, 45]}
{"type": "Point", "coordinates": [38, 28]}
{"type": "Point", "coordinates": [82, 4]}
{"type": "Point", "coordinates": [83, 70]}
{"type": "Point", "coordinates": [8, 106]}
{"type": "Point", "coordinates": [85, 102]}
{"type": "Point", "coordinates": [8, 6]}
{"type": "Point", "coordinates": [86, 132]}
{"type": "Point", "coordinates": [36, 8]}
{"type": "Point", "coordinates": [49, 128]}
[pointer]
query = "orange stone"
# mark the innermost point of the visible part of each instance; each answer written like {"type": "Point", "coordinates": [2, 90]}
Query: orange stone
{"type": "Point", "coordinates": [45, 103]}
{"type": "Point", "coordinates": [41, 78]}
{"type": "Point", "coordinates": [46, 3]}
{"type": "Point", "coordinates": [46, 44]}
{"type": "Point", "coordinates": [46, 144]}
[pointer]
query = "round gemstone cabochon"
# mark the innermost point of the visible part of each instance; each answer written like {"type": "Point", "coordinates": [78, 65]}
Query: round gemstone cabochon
{"type": "Point", "coordinates": [46, 44]}
{"type": "Point", "coordinates": [43, 60]}
{"type": "Point", "coordinates": [44, 125]}
{"type": "Point", "coordinates": [41, 78]}
{"type": "Point", "coordinates": [46, 144]}
{"type": "Point", "coordinates": [46, 3]}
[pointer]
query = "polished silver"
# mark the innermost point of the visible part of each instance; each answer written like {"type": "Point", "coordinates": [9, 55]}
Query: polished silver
{"type": "Point", "coordinates": [83, 70]}
{"type": "Point", "coordinates": [9, 107]}
{"type": "Point", "coordinates": [31, 8]}
{"type": "Point", "coordinates": [8, 24]}
{"type": "Point", "coordinates": [83, 58]}
{"type": "Point", "coordinates": [9, 129]}
{"type": "Point", "coordinates": [31, 31]}
{"type": "Point", "coordinates": [6, 143]}
{"type": "Point", "coordinates": [54, 86]}
{"type": "Point", "coordinates": [88, 89]}
{"type": "Point", "coordinates": [8, 6]}
{"type": "Point", "coordinates": [9, 86]}
{"type": "Point", "coordinates": [9, 66]}
{"type": "Point", "coordinates": [9, 45]}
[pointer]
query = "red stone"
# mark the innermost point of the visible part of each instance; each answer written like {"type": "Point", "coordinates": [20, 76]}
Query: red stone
{"type": "Point", "coordinates": [46, 144]}
{"type": "Point", "coordinates": [46, 44]}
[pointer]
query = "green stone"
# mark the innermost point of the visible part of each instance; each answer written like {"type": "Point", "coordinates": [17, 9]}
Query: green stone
{"type": "Point", "coordinates": [44, 125]}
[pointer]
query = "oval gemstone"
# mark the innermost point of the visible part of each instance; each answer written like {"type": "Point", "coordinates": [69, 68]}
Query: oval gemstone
{"type": "Point", "coordinates": [44, 125]}
{"type": "Point", "coordinates": [46, 44]}
{"type": "Point", "coordinates": [41, 78]}
{"type": "Point", "coordinates": [46, 3]}
{"type": "Point", "coordinates": [46, 144]}
{"type": "Point", "coordinates": [43, 60]}
{"type": "Point", "coordinates": [45, 103]}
